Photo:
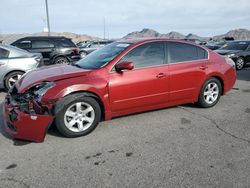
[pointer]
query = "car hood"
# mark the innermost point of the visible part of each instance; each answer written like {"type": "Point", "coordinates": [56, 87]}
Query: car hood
{"type": "Point", "coordinates": [227, 52]}
{"type": "Point", "coordinates": [51, 73]}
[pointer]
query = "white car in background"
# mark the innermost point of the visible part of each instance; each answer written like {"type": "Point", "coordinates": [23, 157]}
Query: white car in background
{"type": "Point", "coordinates": [14, 62]}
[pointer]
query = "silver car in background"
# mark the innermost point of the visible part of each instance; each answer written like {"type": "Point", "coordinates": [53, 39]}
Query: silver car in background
{"type": "Point", "coordinates": [14, 62]}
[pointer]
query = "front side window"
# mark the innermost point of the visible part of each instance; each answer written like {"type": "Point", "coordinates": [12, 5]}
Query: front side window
{"type": "Point", "coordinates": [237, 45]}
{"type": "Point", "coordinates": [40, 44]}
{"type": "Point", "coordinates": [180, 52]}
{"type": "Point", "coordinates": [150, 54]}
{"type": "Point", "coordinates": [4, 53]}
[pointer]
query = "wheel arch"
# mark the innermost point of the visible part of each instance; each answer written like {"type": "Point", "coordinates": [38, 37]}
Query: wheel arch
{"type": "Point", "coordinates": [87, 94]}
{"type": "Point", "coordinates": [8, 73]}
{"type": "Point", "coordinates": [220, 80]}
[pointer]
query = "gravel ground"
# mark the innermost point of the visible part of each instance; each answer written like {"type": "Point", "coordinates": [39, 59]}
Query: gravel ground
{"type": "Point", "coordinates": [182, 146]}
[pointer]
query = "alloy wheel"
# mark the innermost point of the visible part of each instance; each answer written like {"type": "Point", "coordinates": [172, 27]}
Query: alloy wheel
{"type": "Point", "coordinates": [13, 79]}
{"type": "Point", "coordinates": [79, 117]}
{"type": "Point", "coordinates": [211, 93]}
{"type": "Point", "coordinates": [240, 63]}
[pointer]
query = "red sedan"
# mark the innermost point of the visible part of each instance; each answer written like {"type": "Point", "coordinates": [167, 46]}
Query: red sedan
{"type": "Point", "coordinates": [124, 77]}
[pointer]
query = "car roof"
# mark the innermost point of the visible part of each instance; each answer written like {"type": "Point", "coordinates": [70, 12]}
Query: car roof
{"type": "Point", "coordinates": [142, 40]}
{"type": "Point", "coordinates": [44, 37]}
{"type": "Point", "coordinates": [239, 41]}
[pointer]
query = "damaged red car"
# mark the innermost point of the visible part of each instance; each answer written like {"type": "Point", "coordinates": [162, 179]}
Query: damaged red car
{"type": "Point", "coordinates": [124, 77]}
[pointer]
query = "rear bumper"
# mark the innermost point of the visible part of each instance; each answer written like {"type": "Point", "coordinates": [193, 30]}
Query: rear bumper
{"type": "Point", "coordinates": [230, 80]}
{"type": "Point", "coordinates": [25, 126]}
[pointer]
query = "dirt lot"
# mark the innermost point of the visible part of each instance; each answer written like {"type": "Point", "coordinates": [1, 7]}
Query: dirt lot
{"type": "Point", "coordinates": [181, 146]}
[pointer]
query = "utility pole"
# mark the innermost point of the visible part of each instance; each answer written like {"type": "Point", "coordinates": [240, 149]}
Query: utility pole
{"type": "Point", "coordinates": [47, 13]}
{"type": "Point", "coordinates": [104, 28]}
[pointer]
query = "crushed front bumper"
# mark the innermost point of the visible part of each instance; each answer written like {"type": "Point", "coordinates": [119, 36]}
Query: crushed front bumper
{"type": "Point", "coordinates": [25, 126]}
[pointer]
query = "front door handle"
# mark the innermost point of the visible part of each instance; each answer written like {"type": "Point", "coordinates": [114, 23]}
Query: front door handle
{"type": "Point", "coordinates": [203, 67]}
{"type": "Point", "coordinates": [161, 75]}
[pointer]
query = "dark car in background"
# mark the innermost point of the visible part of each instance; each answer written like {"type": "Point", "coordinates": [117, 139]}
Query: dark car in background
{"type": "Point", "coordinates": [239, 51]}
{"type": "Point", "coordinates": [55, 50]}
{"type": "Point", "coordinates": [88, 47]}
{"type": "Point", "coordinates": [215, 45]}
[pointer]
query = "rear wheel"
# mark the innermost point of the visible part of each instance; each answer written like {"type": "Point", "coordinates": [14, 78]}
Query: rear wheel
{"type": "Point", "coordinates": [83, 54]}
{"type": "Point", "coordinates": [12, 78]}
{"type": "Point", "coordinates": [210, 93]}
{"type": "Point", "coordinates": [61, 60]}
{"type": "Point", "coordinates": [240, 63]}
{"type": "Point", "coordinates": [78, 115]}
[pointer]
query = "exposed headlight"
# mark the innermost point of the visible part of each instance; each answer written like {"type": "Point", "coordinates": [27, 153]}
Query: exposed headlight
{"type": "Point", "coordinates": [40, 89]}
{"type": "Point", "coordinates": [230, 55]}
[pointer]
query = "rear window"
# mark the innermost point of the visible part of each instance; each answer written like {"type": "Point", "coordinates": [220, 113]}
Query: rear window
{"type": "Point", "coordinates": [179, 52]}
{"type": "Point", "coordinates": [240, 45]}
{"type": "Point", "coordinates": [25, 44]}
{"type": "Point", "coordinates": [64, 43]}
{"type": "Point", "coordinates": [4, 53]}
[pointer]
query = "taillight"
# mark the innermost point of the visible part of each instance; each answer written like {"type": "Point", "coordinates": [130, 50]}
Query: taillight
{"type": "Point", "coordinates": [75, 50]}
{"type": "Point", "coordinates": [230, 62]}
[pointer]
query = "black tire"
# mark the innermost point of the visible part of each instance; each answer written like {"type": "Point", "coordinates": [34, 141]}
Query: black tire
{"type": "Point", "coordinates": [61, 60]}
{"type": "Point", "coordinates": [204, 98]}
{"type": "Point", "coordinates": [63, 106]}
{"type": "Point", "coordinates": [240, 63]}
{"type": "Point", "coordinates": [8, 81]}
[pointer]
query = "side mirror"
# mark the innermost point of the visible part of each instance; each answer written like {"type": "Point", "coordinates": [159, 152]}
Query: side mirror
{"type": "Point", "coordinates": [124, 65]}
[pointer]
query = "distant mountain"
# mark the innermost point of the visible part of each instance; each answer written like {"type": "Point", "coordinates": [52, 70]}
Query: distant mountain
{"type": "Point", "coordinates": [145, 33]}
{"type": "Point", "coordinates": [173, 35]}
{"type": "Point", "coordinates": [150, 33]}
{"type": "Point", "coordinates": [238, 34]}
{"type": "Point", "coordinates": [9, 38]}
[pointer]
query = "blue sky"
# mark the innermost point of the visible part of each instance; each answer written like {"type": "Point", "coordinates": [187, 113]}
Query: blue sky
{"type": "Point", "coordinates": [202, 17]}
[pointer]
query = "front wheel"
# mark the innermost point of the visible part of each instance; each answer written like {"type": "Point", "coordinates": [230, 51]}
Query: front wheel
{"type": "Point", "coordinates": [78, 115]}
{"type": "Point", "coordinates": [210, 93]}
{"type": "Point", "coordinates": [240, 62]}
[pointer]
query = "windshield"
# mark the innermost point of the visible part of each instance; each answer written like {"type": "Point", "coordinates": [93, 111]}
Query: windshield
{"type": "Point", "coordinates": [235, 46]}
{"type": "Point", "coordinates": [103, 56]}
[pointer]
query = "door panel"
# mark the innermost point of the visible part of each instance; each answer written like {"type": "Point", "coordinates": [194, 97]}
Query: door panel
{"type": "Point", "coordinates": [188, 64]}
{"type": "Point", "coordinates": [185, 79]}
{"type": "Point", "coordinates": [43, 47]}
{"type": "Point", "coordinates": [139, 87]}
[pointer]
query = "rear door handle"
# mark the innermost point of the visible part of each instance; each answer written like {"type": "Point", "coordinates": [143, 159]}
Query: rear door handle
{"type": "Point", "coordinates": [161, 75]}
{"type": "Point", "coordinates": [203, 67]}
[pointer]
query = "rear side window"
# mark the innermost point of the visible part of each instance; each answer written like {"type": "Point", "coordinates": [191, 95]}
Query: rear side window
{"type": "Point", "coordinates": [40, 44]}
{"type": "Point", "coordinates": [64, 43]}
{"type": "Point", "coordinates": [150, 54]}
{"type": "Point", "coordinates": [23, 44]}
{"type": "Point", "coordinates": [4, 53]}
{"type": "Point", "coordinates": [179, 52]}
